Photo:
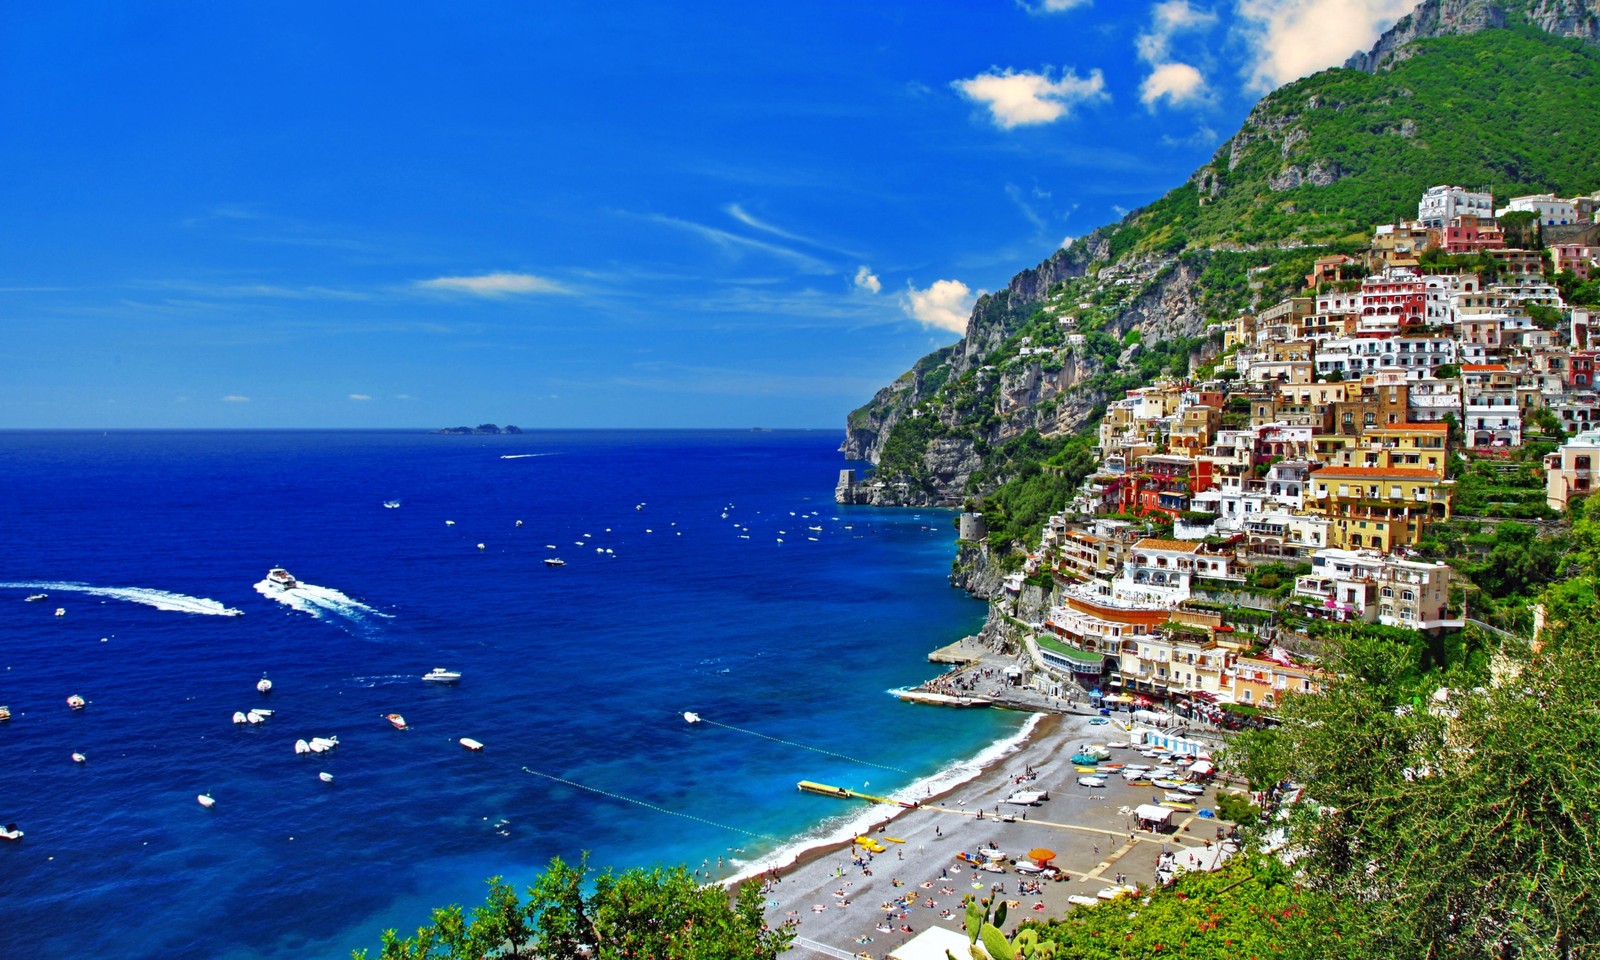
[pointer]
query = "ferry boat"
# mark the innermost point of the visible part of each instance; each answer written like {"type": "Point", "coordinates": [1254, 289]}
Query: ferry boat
{"type": "Point", "coordinates": [281, 579]}
{"type": "Point", "coordinates": [441, 675]}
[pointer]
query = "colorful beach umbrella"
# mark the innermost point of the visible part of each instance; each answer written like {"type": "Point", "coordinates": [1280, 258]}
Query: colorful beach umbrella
{"type": "Point", "coordinates": [1041, 855]}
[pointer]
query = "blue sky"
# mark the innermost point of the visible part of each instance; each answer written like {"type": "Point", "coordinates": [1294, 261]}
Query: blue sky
{"type": "Point", "coordinates": [572, 214]}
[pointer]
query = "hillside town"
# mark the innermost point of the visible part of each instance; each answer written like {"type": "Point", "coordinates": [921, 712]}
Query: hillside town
{"type": "Point", "coordinates": [1294, 477]}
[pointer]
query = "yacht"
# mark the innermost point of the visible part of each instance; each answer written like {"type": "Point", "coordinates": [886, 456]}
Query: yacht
{"type": "Point", "coordinates": [554, 562]}
{"type": "Point", "coordinates": [441, 675]}
{"type": "Point", "coordinates": [35, 598]}
{"type": "Point", "coordinates": [281, 579]}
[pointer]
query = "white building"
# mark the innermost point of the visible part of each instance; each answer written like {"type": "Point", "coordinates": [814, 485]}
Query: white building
{"type": "Point", "coordinates": [1366, 585]}
{"type": "Point", "coordinates": [1551, 210]}
{"type": "Point", "coordinates": [1439, 205]}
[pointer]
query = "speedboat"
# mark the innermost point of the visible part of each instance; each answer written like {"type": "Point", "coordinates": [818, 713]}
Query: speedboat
{"type": "Point", "coordinates": [321, 744]}
{"type": "Point", "coordinates": [441, 675]}
{"type": "Point", "coordinates": [281, 579]}
{"type": "Point", "coordinates": [1191, 789]}
{"type": "Point", "coordinates": [300, 746]}
{"type": "Point", "coordinates": [35, 598]}
{"type": "Point", "coordinates": [206, 801]}
{"type": "Point", "coordinates": [10, 832]}
{"type": "Point", "coordinates": [325, 777]}
{"type": "Point", "coordinates": [79, 758]}
{"type": "Point", "coordinates": [5, 713]}
{"type": "Point", "coordinates": [554, 562]}
{"type": "Point", "coordinates": [691, 717]}
{"type": "Point", "coordinates": [395, 718]}
{"type": "Point", "coordinates": [252, 717]}
{"type": "Point", "coordinates": [392, 504]}
{"type": "Point", "coordinates": [470, 744]}
{"type": "Point", "coordinates": [264, 685]}
{"type": "Point", "coordinates": [76, 702]}
{"type": "Point", "coordinates": [61, 611]}
{"type": "Point", "coordinates": [239, 717]}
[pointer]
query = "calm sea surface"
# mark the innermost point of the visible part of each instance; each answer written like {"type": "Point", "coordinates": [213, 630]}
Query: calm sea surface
{"type": "Point", "coordinates": [705, 571]}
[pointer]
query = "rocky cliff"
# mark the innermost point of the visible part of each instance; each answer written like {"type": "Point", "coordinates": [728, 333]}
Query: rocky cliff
{"type": "Point", "coordinates": [1444, 18]}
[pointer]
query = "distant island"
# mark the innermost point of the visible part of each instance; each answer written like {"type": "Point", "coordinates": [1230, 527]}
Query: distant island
{"type": "Point", "coordinates": [480, 430]}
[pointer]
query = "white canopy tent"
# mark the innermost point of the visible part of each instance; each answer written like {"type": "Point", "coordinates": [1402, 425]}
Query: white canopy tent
{"type": "Point", "coordinates": [931, 944]}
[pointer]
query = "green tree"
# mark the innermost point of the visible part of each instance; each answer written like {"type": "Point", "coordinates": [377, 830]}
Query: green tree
{"type": "Point", "coordinates": [1463, 827]}
{"type": "Point", "coordinates": [659, 914]}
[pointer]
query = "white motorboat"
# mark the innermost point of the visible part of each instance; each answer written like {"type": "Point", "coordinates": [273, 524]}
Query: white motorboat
{"type": "Point", "coordinates": [281, 579]}
{"type": "Point", "coordinates": [300, 746]}
{"type": "Point", "coordinates": [325, 777]}
{"type": "Point", "coordinates": [79, 758]}
{"type": "Point", "coordinates": [239, 717]}
{"type": "Point", "coordinates": [395, 718]}
{"type": "Point", "coordinates": [61, 611]}
{"type": "Point", "coordinates": [252, 717]}
{"type": "Point", "coordinates": [1112, 893]}
{"type": "Point", "coordinates": [441, 675]}
{"type": "Point", "coordinates": [1192, 789]}
{"type": "Point", "coordinates": [1091, 781]}
{"type": "Point", "coordinates": [1079, 900]}
{"type": "Point", "coordinates": [470, 744]}
{"type": "Point", "coordinates": [262, 711]}
{"type": "Point", "coordinates": [322, 744]}
{"type": "Point", "coordinates": [5, 712]}
{"type": "Point", "coordinates": [264, 685]}
{"type": "Point", "coordinates": [691, 717]}
{"type": "Point", "coordinates": [10, 832]}
{"type": "Point", "coordinates": [392, 504]}
{"type": "Point", "coordinates": [206, 801]}
{"type": "Point", "coordinates": [76, 702]}
{"type": "Point", "coordinates": [1027, 798]}
{"type": "Point", "coordinates": [554, 562]}
{"type": "Point", "coordinates": [35, 598]}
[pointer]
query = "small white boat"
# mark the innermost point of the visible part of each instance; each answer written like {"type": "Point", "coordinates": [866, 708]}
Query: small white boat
{"type": "Point", "coordinates": [470, 744]}
{"type": "Point", "coordinates": [480, 546]}
{"type": "Point", "coordinates": [691, 717]}
{"type": "Point", "coordinates": [554, 562]}
{"type": "Point", "coordinates": [323, 744]}
{"type": "Point", "coordinates": [264, 685]}
{"type": "Point", "coordinates": [76, 702]}
{"type": "Point", "coordinates": [1091, 781]}
{"type": "Point", "coordinates": [325, 777]}
{"type": "Point", "coordinates": [441, 675]}
{"type": "Point", "coordinates": [5, 712]}
{"type": "Point", "coordinates": [395, 718]}
{"type": "Point", "coordinates": [300, 746]}
{"type": "Point", "coordinates": [281, 579]}
{"type": "Point", "coordinates": [392, 504]}
{"type": "Point", "coordinates": [61, 611]}
{"type": "Point", "coordinates": [1027, 798]}
{"type": "Point", "coordinates": [239, 717]}
{"type": "Point", "coordinates": [10, 832]}
{"type": "Point", "coordinates": [1112, 893]}
{"type": "Point", "coordinates": [253, 717]}
{"type": "Point", "coordinates": [79, 758]}
{"type": "Point", "coordinates": [1192, 789]}
{"type": "Point", "coordinates": [206, 801]}
{"type": "Point", "coordinates": [262, 711]}
{"type": "Point", "coordinates": [449, 523]}
{"type": "Point", "coordinates": [35, 598]}
{"type": "Point", "coordinates": [1079, 900]}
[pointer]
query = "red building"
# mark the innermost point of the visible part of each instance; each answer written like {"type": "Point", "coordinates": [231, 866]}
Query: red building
{"type": "Point", "coordinates": [1468, 234]}
{"type": "Point", "coordinates": [1164, 484]}
{"type": "Point", "coordinates": [1580, 369]}
{"type": "Point", "coordinates": [1403, 297]}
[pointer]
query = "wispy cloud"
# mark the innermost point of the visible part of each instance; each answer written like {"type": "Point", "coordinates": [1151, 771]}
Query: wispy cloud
{"type": "Point", "coordinates": [1289, 39]}
{"type": "Point", "coordinates": [945, 305]}
{"type": "Point", "coordinates": [733, 242]}
{"type": "Point", "coordinates": [1018, 98]}
{"type": "Point", "coordinates": [235, 398]}
{"type": "Point", "coordinates": [1051, 6]}
{"type": "Point", "coordinates": [360, 396]}
{"type": "Point", "coordinates": [264, 291]}
{"type": "Point", "coordinates": [1024, 204]}
{"type": "Point", "coordinates": [867, 280]}
{"type": "Point", "coordinates": [494, 284]}
{"type": "Point", "coordinates": [1203, 136]}
{"type": "Point", "coordinates": [738, 213]}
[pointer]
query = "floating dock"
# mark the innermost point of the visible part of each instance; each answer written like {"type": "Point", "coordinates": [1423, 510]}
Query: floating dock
{"type": "Point", "coordinates": [811, 786]}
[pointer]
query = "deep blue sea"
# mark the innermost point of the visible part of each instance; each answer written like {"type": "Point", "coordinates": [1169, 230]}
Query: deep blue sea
{"type": "Point", "coordinates": [705, 571]}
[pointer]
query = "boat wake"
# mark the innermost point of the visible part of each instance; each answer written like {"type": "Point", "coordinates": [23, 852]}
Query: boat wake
{"type": "Point", "coordinates": [149, 596]}
{"type": "Point", "coordinates": [522, 456]}
{"type": "Point", "coordinates": [320, 602]}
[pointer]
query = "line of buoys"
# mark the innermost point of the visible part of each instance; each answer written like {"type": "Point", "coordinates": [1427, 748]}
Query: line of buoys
{"type": "Point", "coordinates": [650, 806]}
{"type": "Point", "coordinates": [802, 746]}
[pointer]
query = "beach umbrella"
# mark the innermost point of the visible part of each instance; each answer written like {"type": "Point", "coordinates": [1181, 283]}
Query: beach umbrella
{"type": "Point", "coordinates": [1041, 856]}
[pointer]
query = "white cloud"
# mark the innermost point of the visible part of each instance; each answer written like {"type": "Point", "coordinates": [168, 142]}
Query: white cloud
{"type": "Point", "coordinates": [1176, 83]}
{"type": "Point", "coordinates": [1289, 39]}
{"type": "Point", "coordinates": [235, 398]}
{"type": "Point", "coordinates": [1016, 99]}
{"type": "Point", "coordinates": [493, 284]}
{"type": "Point", "coordinates": [1166, 20]}
{"type": "Point", "coordinates": [1203, 136]}
{"type": "Point", "coordinates": [1052, 6]}
{"type": "Point", "coordinates": [867, 280]}
{"type": "Point", "coordinates": [1067, 241]}
{"type": "Point", "coordinates": [360, 396]}
{"type": "Point", "coordinates": [945, 305]}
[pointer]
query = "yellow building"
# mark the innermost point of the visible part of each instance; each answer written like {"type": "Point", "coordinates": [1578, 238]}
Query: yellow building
{"type": "Point", "coordinates": [1378, 508]}
{"type": "Point", "coordinates": [1421, 446]}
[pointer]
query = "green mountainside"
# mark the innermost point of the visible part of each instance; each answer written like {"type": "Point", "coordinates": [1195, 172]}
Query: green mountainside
{"type": "Point", "coordinates": [998, 419]}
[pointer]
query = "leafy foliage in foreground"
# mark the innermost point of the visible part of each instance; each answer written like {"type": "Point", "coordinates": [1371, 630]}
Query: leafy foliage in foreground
{"type": "Point", "coordinates": [656, 914]}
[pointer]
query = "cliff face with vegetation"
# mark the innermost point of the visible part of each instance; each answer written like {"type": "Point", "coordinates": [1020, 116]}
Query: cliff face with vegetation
{"type": "Point", "coordinates": [1493, 94]}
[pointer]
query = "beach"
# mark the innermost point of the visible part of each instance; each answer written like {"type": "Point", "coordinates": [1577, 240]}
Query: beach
{"type": "Point", "coordinates": [844, 901]}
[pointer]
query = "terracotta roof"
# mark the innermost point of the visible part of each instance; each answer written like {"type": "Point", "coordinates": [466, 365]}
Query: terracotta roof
{"type": "Point", "coordinates": [1182, 546]}
{"type": "Point", "coordinates": [1374, 473]}
{"type": "Point", "coordinates": [1480, 367]}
